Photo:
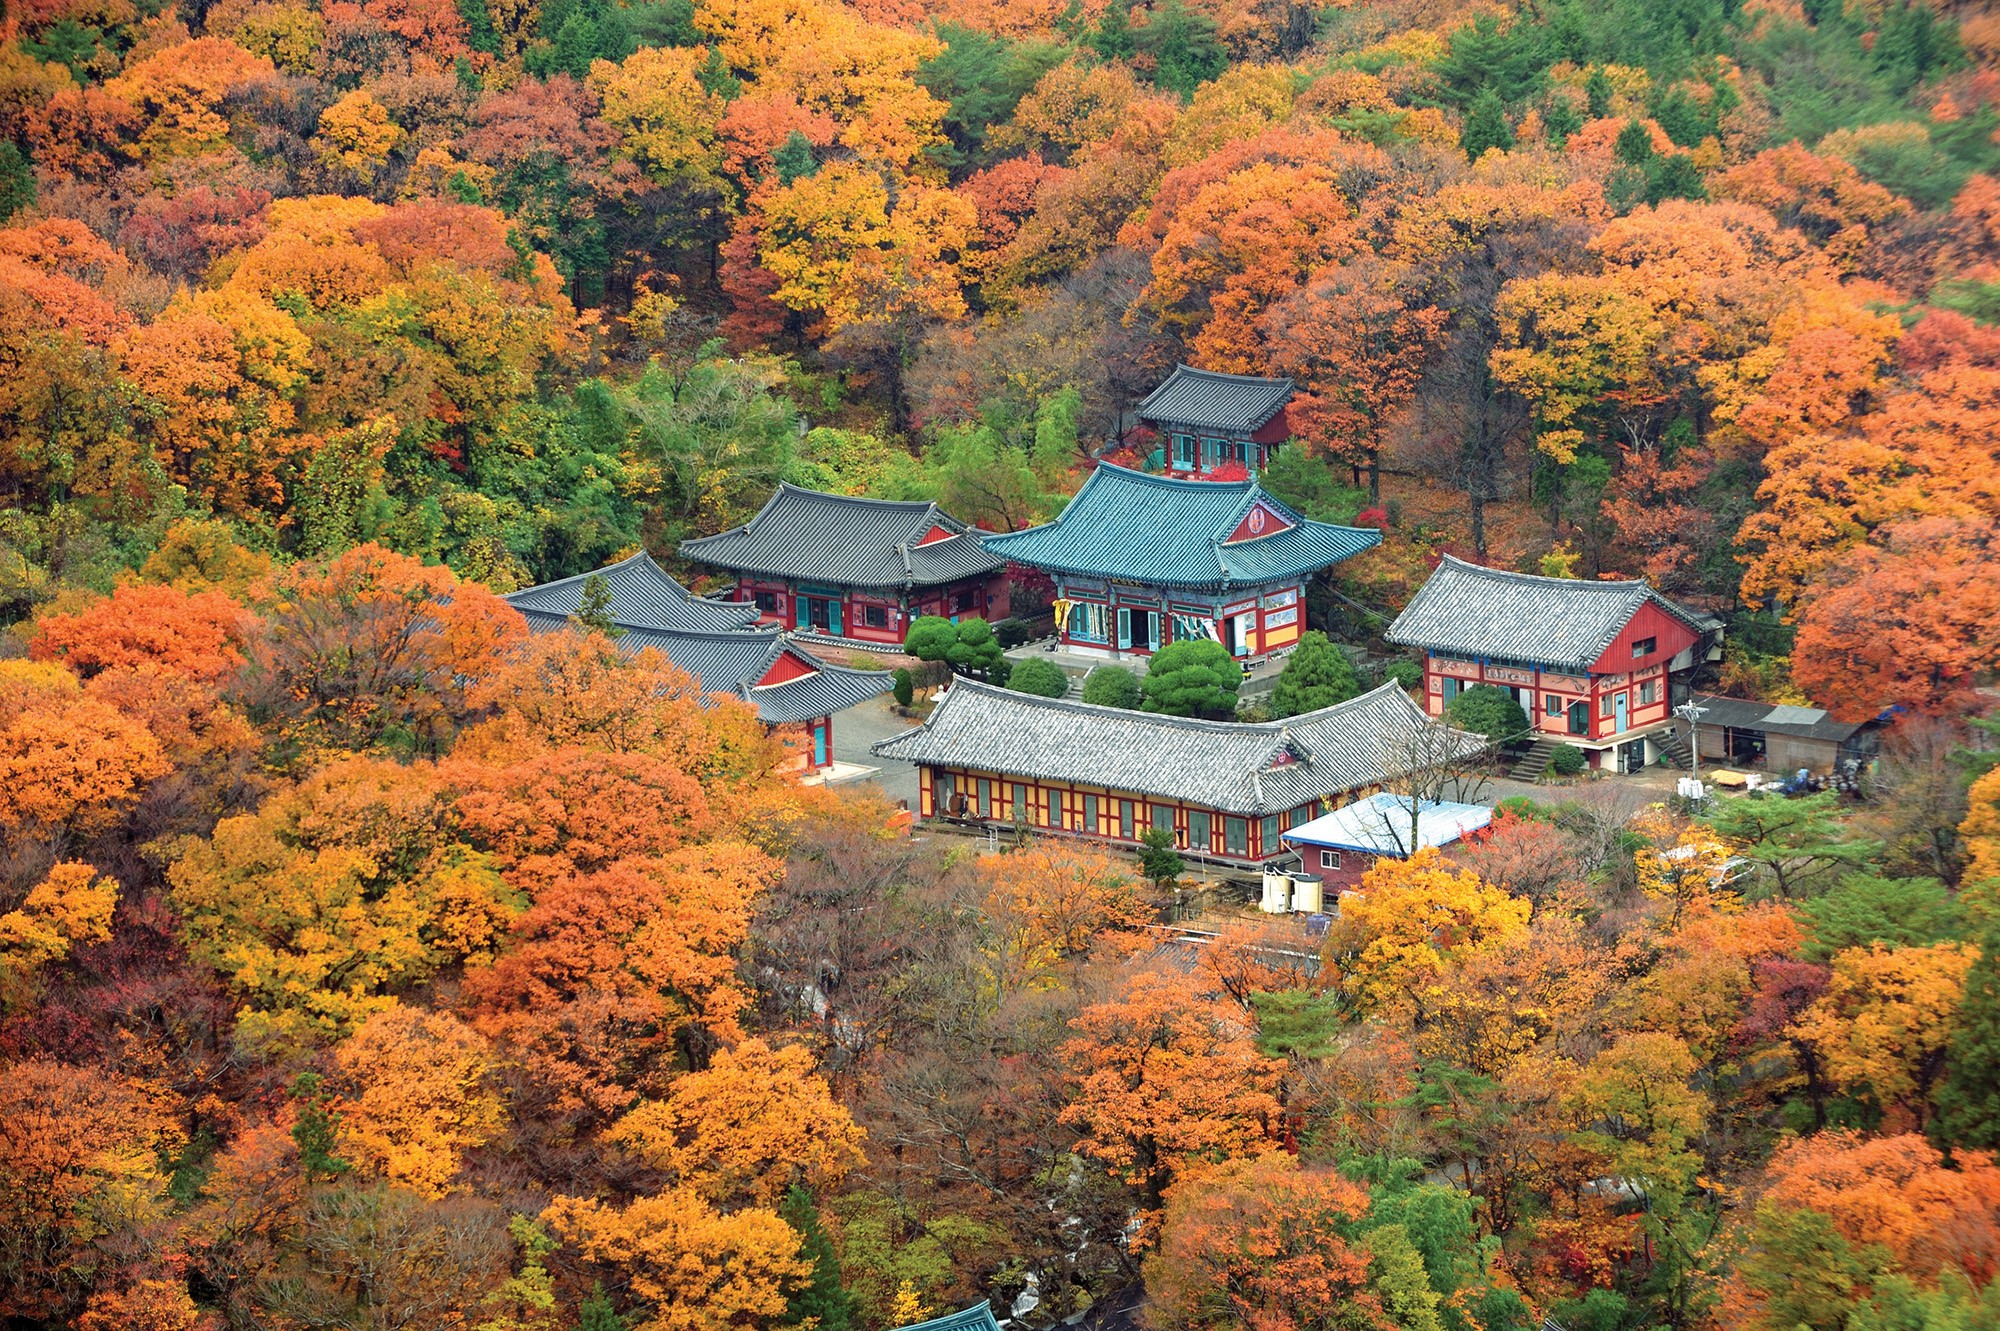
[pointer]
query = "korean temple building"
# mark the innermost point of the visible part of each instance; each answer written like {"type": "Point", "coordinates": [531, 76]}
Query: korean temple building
{"type": "Point", "coordinates": [1140, 561]}
{"type": "Point", "coordinates": [844, 566]}
{"type": "Point", "coordinates": [719, 643]}
{"type": "Point", "coordinates": [1596, 664]}
{"type": "Point", "coordinates": [1228, 790]}
{"type": "Point", "coordinates": [1206, 420]}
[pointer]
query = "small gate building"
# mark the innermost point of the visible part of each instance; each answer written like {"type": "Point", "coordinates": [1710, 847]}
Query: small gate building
{"type": "Point", "coordinates": [1140, 561]}
{"type": "Point", "coordinates": [720, 644]}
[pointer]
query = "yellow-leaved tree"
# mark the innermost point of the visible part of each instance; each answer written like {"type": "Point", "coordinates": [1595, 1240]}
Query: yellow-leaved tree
{"type": "Point", "coordinates": [1884, 1024]}
{"type": "Point", "coordinates": [1411, 922]}
{"type": "Point", "coordinates": [747, 1127]}
{"type": "Point", "coordinates": [691, 1266]}
{"type": "Point", "coordinates": [69, 907]}
{"type": "Point", "coordinates": [335, 895]}
{"type": "Point", "coordinates": [423, 1095]}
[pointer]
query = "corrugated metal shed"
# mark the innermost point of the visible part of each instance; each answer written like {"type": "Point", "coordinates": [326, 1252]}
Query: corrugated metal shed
{"type": "Point", "coordinates": [640, 594]}
{"type": "Point", "coordinates": [733, 662]}
{"type": "Point", "coordinates": [847, 541]}
{"type": "Point", "coordinates": [1166, 532]}
{"type": "Point", "coordinates": [1235, 766]}
{"type": "Point", "coordinates": [1488, 613]}
{"type": "Point", "coordinates": [1209, 400]}
{"type": "Point", "coordinates": [1774, 718]}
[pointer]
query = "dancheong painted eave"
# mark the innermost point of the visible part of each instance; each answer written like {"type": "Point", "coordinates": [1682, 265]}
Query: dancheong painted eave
{"type": "Point", "coordinates": [848, 541]}
{"type": "Point", "coordinates": [1211, 400]}
{"type": "Point", "coordinates": [1235, 766]}
{"type": "Point", "coordinates": [1165, 532]}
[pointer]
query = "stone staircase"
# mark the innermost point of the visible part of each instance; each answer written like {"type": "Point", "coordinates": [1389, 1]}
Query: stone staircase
{"type": "Point", "coordinates": [1531, 765]}
{"type": "Point", "coordinates": [1673, 749]}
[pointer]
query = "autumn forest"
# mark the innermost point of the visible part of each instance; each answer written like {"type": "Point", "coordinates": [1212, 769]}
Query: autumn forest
{"type": "Point", "coordinates": [369, 961]}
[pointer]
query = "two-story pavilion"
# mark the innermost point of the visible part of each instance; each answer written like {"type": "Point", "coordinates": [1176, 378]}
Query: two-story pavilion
{"type": "Point", "coordinates": [1227, 790]}
{"type": "Point", "coordinates": [845, 566]}
{"type": "Point", "coordinates": [1140, 561]}
{"type": "Point", "coordinates": [720, 644]}
{"type": "Point", "coordinates": [1595, 664]}
{"type": "Point", "coordinates": [1206, 419]}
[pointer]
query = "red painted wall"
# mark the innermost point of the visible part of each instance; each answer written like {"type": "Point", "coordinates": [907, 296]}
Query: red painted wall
{"type": "Point", "coordinates": [1651, 622]}
{"type": "Point", "coordinates": [787, 666]}
{"type": "Point", "coordinates": [1276, 430]}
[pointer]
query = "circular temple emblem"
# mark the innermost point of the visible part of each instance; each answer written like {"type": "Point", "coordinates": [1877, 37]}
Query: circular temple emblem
{"type": "Point", "coordinates": [1257, 520]}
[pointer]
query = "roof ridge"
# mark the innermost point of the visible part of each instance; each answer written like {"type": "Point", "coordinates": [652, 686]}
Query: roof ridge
{"type": "Point", "coordinates": [872, 501]}
{"type": "Point", "coordinates": [1180, 366]}
{"type": "Point", "coordinates": [1167, 482]}
{"type": "Point", "coordinates": [1518, 575]}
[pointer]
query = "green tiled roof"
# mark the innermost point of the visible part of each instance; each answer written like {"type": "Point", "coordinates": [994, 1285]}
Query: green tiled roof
{"type": "Point", "coordinates": [1162, 531]}
{"type": "Point", "coordinates": [979, 1317]}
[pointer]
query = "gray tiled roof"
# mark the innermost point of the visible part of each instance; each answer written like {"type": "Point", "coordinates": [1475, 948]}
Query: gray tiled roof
{"type": "Point", "coordinates": [1773, 718]}
{"type": "Point", "coordinates": [1237, 766]}
{"type": "Point", "coordinates": [1211, 400]}
{"type": "Point", "coordinates": [847, 541]}
{"type": "Point", "coordinates": [640, 594]}
{"type": "Point", "coordinates": [733, 662]}
{"type": "Point", "coordinates": [1487, 613]}
{"type": "Point", "coordinates": [1169, 532]}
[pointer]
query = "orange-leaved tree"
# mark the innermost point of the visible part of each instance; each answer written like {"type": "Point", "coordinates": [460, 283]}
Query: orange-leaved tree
{"type": "Point", "coordinates": [422, 1095]}
{"type": "Point", "coordinates": [614, 980]}
{"type": "Point", "coordinates": [372, 648]}
{"type": "Point", "coordinates": [200, 635]}
{"type": "Point", "coordinates": [690, 1266]}
{"type": "Point", "coordinates": [1266, 1242]}
{"type": "Point", "coordinates": [1164, 1077]}
{"type": "Point", "coordinates": [1884, 1025]}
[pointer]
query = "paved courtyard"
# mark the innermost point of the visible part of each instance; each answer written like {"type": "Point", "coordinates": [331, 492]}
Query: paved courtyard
{"type": "Point", "coordinates": [860, 726]}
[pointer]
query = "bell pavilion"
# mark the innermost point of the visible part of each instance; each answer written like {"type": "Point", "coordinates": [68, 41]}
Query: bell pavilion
{"type": "Point", "coordinates": [1141, 561]}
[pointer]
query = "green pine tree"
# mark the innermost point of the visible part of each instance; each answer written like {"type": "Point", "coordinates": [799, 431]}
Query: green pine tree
{"type": "Point", "coordinates": [1969, 1103]}
{"type": "Point", "coordinates": [1197, 678]}
{"type": "Point", "coordinates": [1635, 144]}
{"type": "Point", "coordinates": [1112, 686]}
{"type": "Point", "coordinates": [822, 1301]}
{"type": "Point", "coordinates": [1186, 52]}
{"type": "Point", "coordinates": [597, 1313]}
{"type": "Point", "coordinates": [1561, 120]}
{"type": "Point", "coordinates": [1043, 678]}
{"type": "Point", "coordinates": [1112, 37]}
{"type": "Point", "coordinates": [1486, 126]}
{"type": "Point", "coordinates": [316, 1130]}
{"type": "Point", "coordinates": [1158, 859]}
{"type": "Point", "coordinates": [595, 612]}
{"type": "Point", "coordinates": [1597, 93]}
{"type": "Point", "coordinates": [17, 180]}
{"type": "Point", "coordinates": [1317, 674]}
{"type": "Point", "coordinates": [794, 158]}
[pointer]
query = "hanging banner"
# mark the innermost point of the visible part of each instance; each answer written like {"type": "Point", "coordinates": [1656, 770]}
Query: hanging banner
{"type": "Point", "coordinates": [1061, 607]}
{"type": "Point", "coordinates": [1191, 626]}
